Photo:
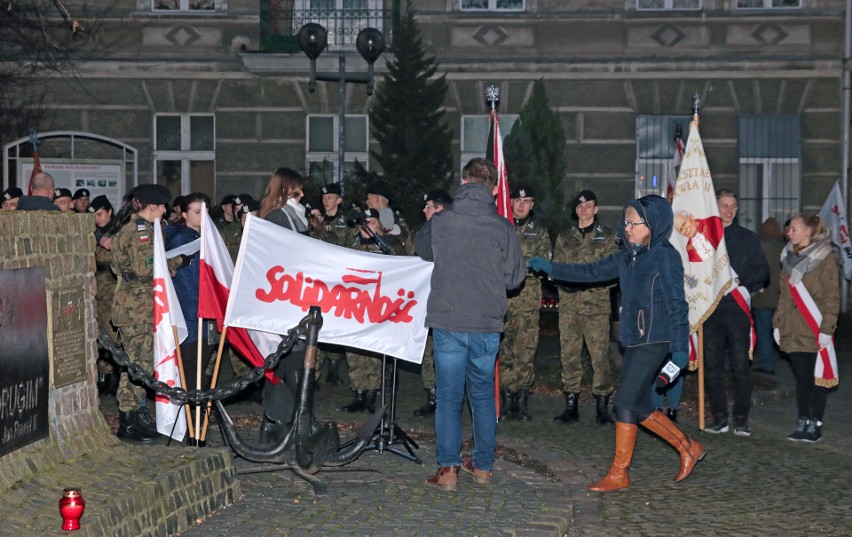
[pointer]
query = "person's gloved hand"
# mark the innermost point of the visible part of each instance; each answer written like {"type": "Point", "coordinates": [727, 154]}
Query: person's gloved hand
{"type": "Point", "coordinates": [776, 335]}
{"type": "Point", "coordinates": [540, 264]}
{"type": "Point", "coordinates": [824, 340]}
{"type": "Point", "coordinates": [185, 260]}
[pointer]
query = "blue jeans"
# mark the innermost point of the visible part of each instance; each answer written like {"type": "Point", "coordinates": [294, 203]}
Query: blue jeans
{"type": "Point", "coordinates": [764, 351]}
{"type": "Point", "coordinates": [465, 357]}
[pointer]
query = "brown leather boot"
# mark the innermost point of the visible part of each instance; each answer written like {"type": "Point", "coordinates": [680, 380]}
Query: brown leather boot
{"type": "Point", "coordinates": [690, 451]}
{"type": "Point", "coordinates": [446, 477]}
{"type": "Point", "coordinates": [617, 478]}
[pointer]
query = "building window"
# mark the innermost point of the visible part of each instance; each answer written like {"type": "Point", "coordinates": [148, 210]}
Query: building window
{"type": "Point", "coordinates": [492, 5]}
{"type": "Point", "coordinates": [474, 134]}
{"type": "Point", "coordinates": [656, 144]}
{"type": "Point", "coordinates": [342, 19]}
{"type": "Point", "coordinates": [649, 5]}
{"type": "Point", "coordinates": [184, 5]}
{"type": "Point", "coordinates": [769, 150]}
{"type": "Point", "coordinates": [768, 4]}
{"type": "Point", "coordinates": [323, 141]}
{"type": "Point", "coordinates": [185, 152]}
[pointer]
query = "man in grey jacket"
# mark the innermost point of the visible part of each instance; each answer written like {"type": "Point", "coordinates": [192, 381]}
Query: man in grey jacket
{"type": "Point", "coordinates": [477, 259]}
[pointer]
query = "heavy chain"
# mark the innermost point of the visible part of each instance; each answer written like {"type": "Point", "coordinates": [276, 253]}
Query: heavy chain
{"type": "Point", "coordinates": [218, 393]}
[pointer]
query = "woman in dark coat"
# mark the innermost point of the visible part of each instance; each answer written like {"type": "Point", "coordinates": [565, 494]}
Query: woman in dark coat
{"type": "Point", "coordinates": [654, 323]}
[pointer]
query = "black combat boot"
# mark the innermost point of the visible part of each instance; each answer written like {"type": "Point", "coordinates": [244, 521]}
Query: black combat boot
{"type": "Point", "coordinates": [333, 376]}
{"type": "Point", "coordinates": [271, 431]}
{"type": "Point", "coordinates": [358, 403]}
{"type": "Point", "coordinates": [144, 419]}
{"type": "Point", "coordinates": [505, 411]}
{"type": "Point", "coordinates": [102, 383]}
{"type": "Point", "coordinates": [513, 406]}
{"type": "Point", "coordinates": [602, 416]}
{"type": "Point", "coordinates": [572, 399]}
{"type": "Point", "coordinates": [129, 429]}
{"type": "Point", "coordinates": [522, 414]}
{"type": "Point", "coordinates": [429, 408]}
{"type": "Point", "coordinates": [370, 402]}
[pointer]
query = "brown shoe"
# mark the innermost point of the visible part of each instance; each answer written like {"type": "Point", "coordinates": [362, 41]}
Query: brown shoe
{"type": "Point", "coordinates": [617, 478]}
{"type": "Point", "coordinates": [446, 478]}
{"type": "Point", "coordinates": [480, 476]}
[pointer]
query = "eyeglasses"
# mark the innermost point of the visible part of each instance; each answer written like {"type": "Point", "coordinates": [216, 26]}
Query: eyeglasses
{"type": "Point", "coordinates": [430, 206]}
{"type": "Point", "coordinates": [630, 225]}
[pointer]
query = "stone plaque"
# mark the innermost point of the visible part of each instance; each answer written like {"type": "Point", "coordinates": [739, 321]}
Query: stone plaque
{"type": "Point", "coordinates": [69, 336]}
{"type": "Point", "coordinates": [24, 359]}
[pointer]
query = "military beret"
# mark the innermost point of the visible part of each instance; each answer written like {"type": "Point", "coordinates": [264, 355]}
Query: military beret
{"type": "Point", "coordinates": [380, 189]}
{"type": "Point", "coordinates": [152, 194]}
{"type": "Point", "coordinates": [438, 196]}
{"type": "Point", "coordinates": [332, 188]}
{"type": "Point", "coordinates": [11, 193]}
{"type": "Point", "coordinates": [81, 193]}
{"type": "Point", "coordinates": [61, 193]}
{"type": "Point", "coordinates": [385, 217]}
{"type": "Point", "coordinates": [523, 192]}
{"type": "Point", "coordinates": [100, 202]}
{"type": "Point", "coordinates": [584, 196]}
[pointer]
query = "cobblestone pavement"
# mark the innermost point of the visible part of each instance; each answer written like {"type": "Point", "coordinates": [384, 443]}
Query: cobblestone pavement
{"type": "Point", "coordinates": [760, 485]}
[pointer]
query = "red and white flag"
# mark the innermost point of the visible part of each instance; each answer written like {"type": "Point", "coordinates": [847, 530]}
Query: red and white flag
{"type": "Point", "coordinates": [834, 213]}
{"type": "Point", "coordinates": [216, 273]}
{"type": "Point", "coordinates": [167, 314]}
{"type": "Point", "coordinates": [369, 301]}
{"type": "Point", "coordinates": [494, 153]}
{"type": "Point", "coordinates": [698, 234]}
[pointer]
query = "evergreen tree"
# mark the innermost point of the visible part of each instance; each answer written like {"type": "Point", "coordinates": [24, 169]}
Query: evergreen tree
{"type": "Point", "coordinates": [534, 153]}
{"type": "Point", "coordinates": [406, 119]}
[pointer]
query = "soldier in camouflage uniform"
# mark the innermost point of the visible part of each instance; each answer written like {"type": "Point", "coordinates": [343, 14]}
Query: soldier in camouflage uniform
{"type": "Point", "coordinates": [379, 198]}
{"type": "Point", "coordinates": [365, 370]}
{"type": "Point", "coordinates": [584, 311]}
{"type": "Point", "coordinates": [520, 335]}
{"type": "Point", "coordinates": [133, 304]}
{"type": "Point", "coordinates": [435, 202]}
{"type": "Point", "coordinates": [229, 225]}
{"type": "Point", "coordinates": [101, 208]}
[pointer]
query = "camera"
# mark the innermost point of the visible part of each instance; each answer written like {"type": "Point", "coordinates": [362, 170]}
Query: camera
{"type": "Point", "coordinates": [356, 218]}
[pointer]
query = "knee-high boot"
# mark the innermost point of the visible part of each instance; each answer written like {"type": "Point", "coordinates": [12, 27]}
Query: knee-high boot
{"type": "Point", "coordinates": [690, 451]}
{"type": "Point", "coordinates": [617, 478]}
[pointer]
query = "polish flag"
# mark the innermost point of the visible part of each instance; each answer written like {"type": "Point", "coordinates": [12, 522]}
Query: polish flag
{"type": "Point", "coordinates": [214, 287]}
{"type": "Point", "coordinates": [494, 153]}
{"type": "Point", "coordinates": [167, 314]}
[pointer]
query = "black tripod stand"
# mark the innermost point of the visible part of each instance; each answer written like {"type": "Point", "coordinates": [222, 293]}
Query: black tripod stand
{"type": "Point", "coordinates": [389, 434]}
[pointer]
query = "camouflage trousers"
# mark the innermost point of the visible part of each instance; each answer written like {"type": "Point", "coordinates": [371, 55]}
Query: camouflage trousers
{"type": "Point", "coordinates": [573, 329]}
{"type": "Point", "coordinates": [138, 343]}
{"type": "Point", "coordinates": [103, 313]}
{"type": "Point", "coordinates": [427, 367]}
{"type": "Point", "coordinates": [365, 371]}
{"type": "Point", "coordinates": [520, 342]}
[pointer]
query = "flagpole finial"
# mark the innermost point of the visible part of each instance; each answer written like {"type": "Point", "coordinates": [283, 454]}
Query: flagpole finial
{"type": "Point", "coordinates": [696, 107]}
{"type": "Point", "coordinates": [492, 96]}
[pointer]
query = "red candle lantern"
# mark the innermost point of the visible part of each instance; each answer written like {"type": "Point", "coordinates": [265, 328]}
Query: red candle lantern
{"type": "Point", "coordinates": [71, 508]}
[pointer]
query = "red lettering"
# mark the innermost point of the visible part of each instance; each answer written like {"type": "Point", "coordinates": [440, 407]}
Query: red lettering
{"type": "Point", "coordinates": [161, 302]}
{"type": "Point", "coordinates": [356, 301]}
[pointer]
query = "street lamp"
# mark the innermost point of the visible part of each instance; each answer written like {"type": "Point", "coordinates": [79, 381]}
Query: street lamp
{"type": "Point", "coordinates": [313, 40]}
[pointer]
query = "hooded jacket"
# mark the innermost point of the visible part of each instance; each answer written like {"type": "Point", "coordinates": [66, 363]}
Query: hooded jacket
{"type": "Point", "coordinates": [653, 304]}
{"type": "Point", "coordinates": [477, 259]}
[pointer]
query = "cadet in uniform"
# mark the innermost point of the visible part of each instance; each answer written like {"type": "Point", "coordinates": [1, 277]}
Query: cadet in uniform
{"type": "Point", "coordinates": [80, 201]}
{"type": "Point", "coordinates": [105, 279]}
{"type": "Point", "coordinates": [584, 311]}
{"type": "Point", "coordinates": [379, 198]}
{"type": "Point", "coordinates": [435, 202]}
{"type": "Point", "coordinates": [365, 370]}
{"type": "Point", "coordinates": [62, 199]}
{"type": "Point", "coordinates": [10, 198]}
{"type": "Point", "coordinates": [520, 335]}
{"type": "Point", "coordinates": [133, 304]}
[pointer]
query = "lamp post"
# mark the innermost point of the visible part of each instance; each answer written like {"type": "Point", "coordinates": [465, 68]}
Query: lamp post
{"type": "Point", "coordinates": [370, 43]}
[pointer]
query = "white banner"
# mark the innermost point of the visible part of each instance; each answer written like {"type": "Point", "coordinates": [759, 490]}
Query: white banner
{"type": "Point", "coordinates": [699, 234]}
{"type": "Point", "coordinates": [167, 314]}
{"type": "Point", "coordinates": [369, 301]}
{"type": "Point", "coordinates": [834, 213]}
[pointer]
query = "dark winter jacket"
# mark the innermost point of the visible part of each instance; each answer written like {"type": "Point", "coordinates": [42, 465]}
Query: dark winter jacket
{"type": "Point", "coordinates": [747, 258]}
{"type": "Point", "coordinates": [653, 305]}
{"type": "Point", "coordinates": [477, 259]}
{"type": "Point", "coordinates": [36, 203]}
{"type": "Point", "coordinates": [185, 279]}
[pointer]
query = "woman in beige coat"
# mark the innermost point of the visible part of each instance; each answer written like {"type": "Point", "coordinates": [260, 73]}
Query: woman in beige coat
{"type": "Point", "coordinates": [809, 260]}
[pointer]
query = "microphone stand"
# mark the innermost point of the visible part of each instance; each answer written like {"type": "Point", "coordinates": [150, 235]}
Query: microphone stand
{"type": "Point", "coordinates": [389, 432]}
